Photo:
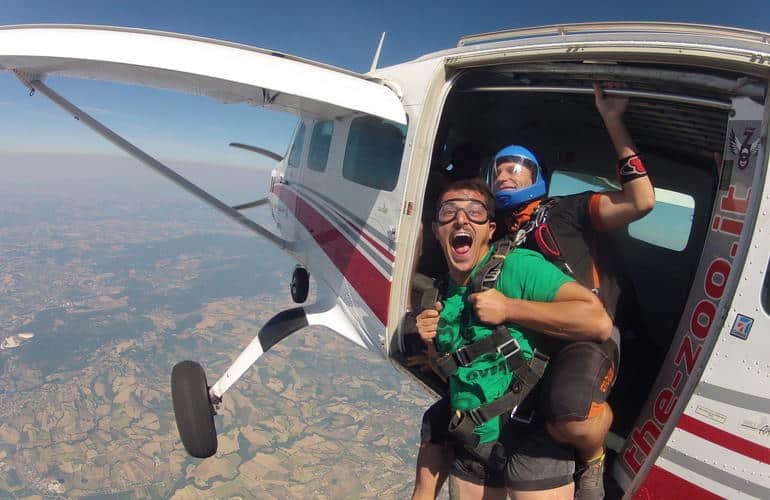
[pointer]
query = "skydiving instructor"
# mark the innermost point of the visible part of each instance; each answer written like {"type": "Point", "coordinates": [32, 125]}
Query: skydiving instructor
{"type": "Point", "coordinates": [569, 231]}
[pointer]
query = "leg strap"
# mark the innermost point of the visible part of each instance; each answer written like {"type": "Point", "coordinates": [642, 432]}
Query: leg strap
{"type": "Point", "coordinates": [462, 425]}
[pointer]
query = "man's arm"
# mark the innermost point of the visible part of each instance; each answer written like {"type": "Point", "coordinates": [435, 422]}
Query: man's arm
{"type": "Point", "coordinates": [619, 208]}
{"type": "Point", "coordinates": [575, 314]}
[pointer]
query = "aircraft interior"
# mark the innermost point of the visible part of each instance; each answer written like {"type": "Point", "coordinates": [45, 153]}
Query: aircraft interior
{"type": "Point", "coordinates": [678, 118]}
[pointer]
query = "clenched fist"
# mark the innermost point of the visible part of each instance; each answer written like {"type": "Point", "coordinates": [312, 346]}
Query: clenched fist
{"type": "Point", "coordinates": [427, 323]}
{"type": "Point", "coordinates": [491, 306]}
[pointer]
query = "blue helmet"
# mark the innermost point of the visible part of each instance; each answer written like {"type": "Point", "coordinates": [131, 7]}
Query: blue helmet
{"type": "Point", "coordinates": [511, 198]}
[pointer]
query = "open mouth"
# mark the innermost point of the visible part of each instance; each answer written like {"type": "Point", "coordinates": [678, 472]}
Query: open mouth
{"type": "Point", "coordinates": [461, 243]}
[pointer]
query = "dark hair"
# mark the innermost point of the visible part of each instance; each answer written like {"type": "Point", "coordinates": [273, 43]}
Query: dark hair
{"type": "Point", "coordinates": [473, 184]}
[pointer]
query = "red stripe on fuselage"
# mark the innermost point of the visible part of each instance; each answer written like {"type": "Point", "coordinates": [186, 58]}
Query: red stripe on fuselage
{"type": "Point", "coordinates": [368, 281]}
{"type": "Point", "coordinates": [660, 483]}
{"type": "Point", "coordinates": [371, 240]}
{"type": "Point", "coordinates": [724, 439]}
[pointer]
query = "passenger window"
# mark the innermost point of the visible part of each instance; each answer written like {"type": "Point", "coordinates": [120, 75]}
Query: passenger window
{"type": "Point", "coordinates": [296, 149]}
{"type": "Point", "coordinates": [319, 146]}
{"type": "Point", "coordinates": [667, 226]}
{"type": "Point", "coordinates": [373, 152]}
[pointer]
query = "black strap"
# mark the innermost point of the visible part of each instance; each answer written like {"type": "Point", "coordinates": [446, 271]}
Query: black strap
{"type": "Point", "coordinates": [524, 380]}
{"type": "Point", "coordinates": [486, 277]}
{"type": "Point", "coordinates": [500, 341]}
{"type": "Point", "coordinates": [463, 424]}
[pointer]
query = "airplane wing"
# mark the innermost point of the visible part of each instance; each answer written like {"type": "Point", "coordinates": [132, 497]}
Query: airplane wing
{"type": "Point", "coordinates": [227, 72]}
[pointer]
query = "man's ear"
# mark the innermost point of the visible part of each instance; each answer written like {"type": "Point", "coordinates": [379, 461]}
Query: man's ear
{"type": "Point", "coordinates": [492, 227]}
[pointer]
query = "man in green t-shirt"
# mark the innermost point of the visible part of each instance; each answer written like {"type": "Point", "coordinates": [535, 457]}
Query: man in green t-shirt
{"type": "Point", "coordinates": [531, 296]}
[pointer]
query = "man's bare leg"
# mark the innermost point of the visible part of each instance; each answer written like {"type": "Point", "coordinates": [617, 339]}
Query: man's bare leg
{"type": "Point", "coordinates": [466, 490]}
{"type": "Point", "coordinates": [433, 462]}
{"type": "Point", "coordinates": [565, 492]}
{"type": "Point", "coordinates": [586, 436]}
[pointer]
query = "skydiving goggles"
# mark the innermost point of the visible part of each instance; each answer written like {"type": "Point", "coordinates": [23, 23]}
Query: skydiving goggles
{"type": "Point", "coordinates": [517, 164]}
{"type": "Point", "coordinates": [475, 210]}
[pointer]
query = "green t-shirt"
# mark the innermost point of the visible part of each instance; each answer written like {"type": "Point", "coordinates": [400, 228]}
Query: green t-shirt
{"type": "Point", "coordinates": [525, 275]}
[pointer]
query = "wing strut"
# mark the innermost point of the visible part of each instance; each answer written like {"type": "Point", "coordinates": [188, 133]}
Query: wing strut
{"type": "Point", "coordinates": [255, 149]}
{"type": "Point", "coordinates": [151, 162]}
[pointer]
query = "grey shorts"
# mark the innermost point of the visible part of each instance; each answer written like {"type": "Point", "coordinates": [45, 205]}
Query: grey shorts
{"type": "Point", "coordinates": [435, 423]}
{"type": "Point", "coordinates": [525, 458]}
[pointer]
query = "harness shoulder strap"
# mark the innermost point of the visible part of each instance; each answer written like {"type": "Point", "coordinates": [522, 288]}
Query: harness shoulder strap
{"type": "Point", "coordinates": [486, 277]}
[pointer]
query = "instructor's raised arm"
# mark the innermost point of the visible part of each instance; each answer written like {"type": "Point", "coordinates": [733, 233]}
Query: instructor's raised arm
{"type": "Point", "coordinates": [619, 208]}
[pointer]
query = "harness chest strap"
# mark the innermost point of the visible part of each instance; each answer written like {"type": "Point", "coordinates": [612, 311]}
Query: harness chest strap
{"type": "Point", "coordinates": [500, 341]}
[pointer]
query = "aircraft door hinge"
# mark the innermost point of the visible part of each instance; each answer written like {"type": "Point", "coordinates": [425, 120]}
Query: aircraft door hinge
{"type": "Point", "coordinates": [392, 234]}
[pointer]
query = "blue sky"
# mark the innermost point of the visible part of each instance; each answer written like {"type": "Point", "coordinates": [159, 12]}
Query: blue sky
{"type": "Point", "coordinates": [175, 126]}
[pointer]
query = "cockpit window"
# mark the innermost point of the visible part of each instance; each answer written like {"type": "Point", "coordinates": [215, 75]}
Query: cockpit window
{"type": "Point", "coordinates": [296, 148]}
{"type": "Point", "coordinates": [668, 225]}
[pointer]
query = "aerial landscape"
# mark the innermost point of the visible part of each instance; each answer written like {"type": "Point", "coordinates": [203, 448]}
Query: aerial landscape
{"type": "Point", "coordinates": [104, 290]}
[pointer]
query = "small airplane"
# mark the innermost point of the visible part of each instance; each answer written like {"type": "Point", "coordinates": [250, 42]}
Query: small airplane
{"type": "Point", "coordinates": [692, 404]}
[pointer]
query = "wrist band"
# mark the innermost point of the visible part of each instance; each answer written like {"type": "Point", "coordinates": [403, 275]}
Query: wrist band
{"type": "Point", "coordinates": [630, 168]}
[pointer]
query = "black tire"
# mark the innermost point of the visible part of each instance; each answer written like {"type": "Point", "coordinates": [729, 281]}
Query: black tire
{"type": "Point", "coordinates": [300, 285]}
{"type": "Point", "coordinates": [193, 410]}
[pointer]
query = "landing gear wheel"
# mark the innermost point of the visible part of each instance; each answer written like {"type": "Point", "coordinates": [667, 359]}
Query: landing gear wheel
{"type": "Point", "coordinates": [300, 284]}
{"type": "Point", "coordinates": [193, 409]}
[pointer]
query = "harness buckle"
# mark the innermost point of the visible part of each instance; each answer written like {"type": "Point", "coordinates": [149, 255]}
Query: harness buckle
{"type": "Point", "coordinates": [541, 356]}
{"type": "Point", "coordinates": [490, 279]}
{"type": "Point", "coordinates": [461, 357]}
{"type": "Point", "coordinates": [475, 416]}
{"type": "Point", "coordinates": [505, 351]}
{"type": "Point", "coordinates": [525, 419]}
